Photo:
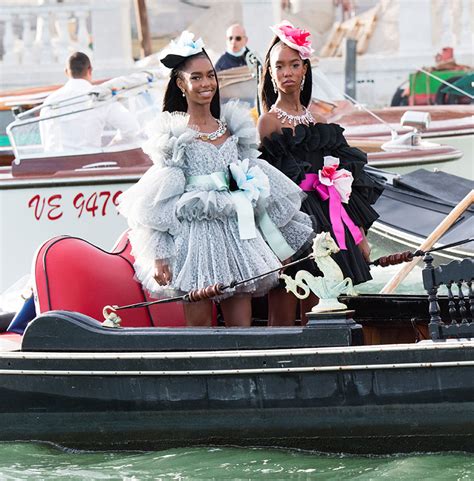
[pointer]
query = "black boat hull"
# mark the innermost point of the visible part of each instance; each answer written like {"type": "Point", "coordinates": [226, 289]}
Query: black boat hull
{"type": "Point", "coordinates": [138, 389]}
{"type": "Point", "coordinates": [360, 399]}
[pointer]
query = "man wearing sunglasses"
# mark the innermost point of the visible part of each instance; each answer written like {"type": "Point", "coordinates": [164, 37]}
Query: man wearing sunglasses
{"type": "Point", "coordinates": [236, 41]}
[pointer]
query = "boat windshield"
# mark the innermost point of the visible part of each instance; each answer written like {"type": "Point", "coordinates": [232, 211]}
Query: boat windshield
{"type": "Point", "coordinates": [68, 127]}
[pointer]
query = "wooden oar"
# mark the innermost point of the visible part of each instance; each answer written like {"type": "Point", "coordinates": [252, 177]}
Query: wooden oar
{"type": "Point", "coordinates": [439, 231]}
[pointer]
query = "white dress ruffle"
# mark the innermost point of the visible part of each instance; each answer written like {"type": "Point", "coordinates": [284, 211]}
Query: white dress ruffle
{"type": "Point", "coordinates": [194, 228]}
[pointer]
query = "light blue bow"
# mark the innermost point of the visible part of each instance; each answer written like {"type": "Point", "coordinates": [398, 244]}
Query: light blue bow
{"type": "Point", "coordinates": [254, 186]}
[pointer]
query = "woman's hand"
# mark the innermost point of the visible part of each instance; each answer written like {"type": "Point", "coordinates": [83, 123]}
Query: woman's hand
{"type": "Point", "coordinates": [364, 247]}
{"type": "Point", "coordinates": [162, 272]}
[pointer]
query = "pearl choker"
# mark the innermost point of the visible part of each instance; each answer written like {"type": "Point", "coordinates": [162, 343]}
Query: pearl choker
{"type": "Point", "coordinates": [221, 130]}
{"type": "Point", "coordinates": [305, 118]}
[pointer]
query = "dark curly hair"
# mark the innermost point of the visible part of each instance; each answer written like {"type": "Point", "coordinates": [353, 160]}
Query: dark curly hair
{"type": "Point", "coordinates": [173, 100]}
{"type": "Point", "coordinates": [268, 96]}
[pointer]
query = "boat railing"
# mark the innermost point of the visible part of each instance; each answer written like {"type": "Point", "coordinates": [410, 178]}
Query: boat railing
{"type": "Point", "coordinates": [457, 276]}
{"type": "Point", "coordinates": [138, 93]}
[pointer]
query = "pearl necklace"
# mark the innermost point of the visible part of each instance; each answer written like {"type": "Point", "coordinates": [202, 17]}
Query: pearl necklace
{"type": "Point", "coordinates": [221, 130]}
{"type": "Point", "coordinates": [305, 118]}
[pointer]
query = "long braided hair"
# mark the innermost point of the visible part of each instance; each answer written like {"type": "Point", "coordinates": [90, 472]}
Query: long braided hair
{"type": "Point", "coordinates": [173, 100]}
{"type": "Point", "coordinates": [267, 94]}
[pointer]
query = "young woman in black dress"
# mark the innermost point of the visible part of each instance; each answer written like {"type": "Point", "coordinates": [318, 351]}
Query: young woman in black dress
{"type": "Point", "coordinates": [317, 157]}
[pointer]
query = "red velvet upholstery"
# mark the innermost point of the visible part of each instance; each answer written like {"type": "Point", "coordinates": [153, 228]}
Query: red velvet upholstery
{"type": "Point", "coordinates": [71, 274]}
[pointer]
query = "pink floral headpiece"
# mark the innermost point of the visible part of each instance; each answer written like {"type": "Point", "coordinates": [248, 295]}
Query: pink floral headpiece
{"type": "Point", "coordinates": [294, 37]}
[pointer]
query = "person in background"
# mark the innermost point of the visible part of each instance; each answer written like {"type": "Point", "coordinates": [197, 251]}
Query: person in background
{"type": "Point", "coordinates": [82, 131]}
{"type": "Point", "coordinates": [236, 40]}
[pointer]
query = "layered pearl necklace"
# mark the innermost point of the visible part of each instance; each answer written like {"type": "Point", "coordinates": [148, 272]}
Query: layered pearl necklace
{"type": "Point", "coordinates": [305, 118]}
{"type": "Point", "coordinates": [210, 136]}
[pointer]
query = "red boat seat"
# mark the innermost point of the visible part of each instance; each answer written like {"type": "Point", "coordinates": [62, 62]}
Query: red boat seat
{"type": "Point", "coordinates": [72, 274]}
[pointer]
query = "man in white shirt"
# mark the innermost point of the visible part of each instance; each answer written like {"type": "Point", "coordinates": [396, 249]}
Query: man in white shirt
{"type": "Point", "coordinates": [82, 131]}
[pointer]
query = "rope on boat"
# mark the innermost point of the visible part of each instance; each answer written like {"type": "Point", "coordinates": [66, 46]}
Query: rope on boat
{"type": "Point", "coordinates": [112, 319]}
{"type": "Point", "coordinates": [196, 295]}
{"type": "Point", "coordinates": [408, 256]}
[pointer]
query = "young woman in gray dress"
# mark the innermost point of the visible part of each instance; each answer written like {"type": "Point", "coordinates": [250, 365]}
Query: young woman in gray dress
{"type": "Point", "coordinates": [209, 210]}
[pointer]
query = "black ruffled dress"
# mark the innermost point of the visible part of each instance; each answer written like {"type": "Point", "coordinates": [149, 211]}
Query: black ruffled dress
{"type": "Point", "coordinates": [302, 152]}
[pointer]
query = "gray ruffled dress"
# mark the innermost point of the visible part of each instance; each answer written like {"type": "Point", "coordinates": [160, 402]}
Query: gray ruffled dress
{"type": "Point", "coordinates": [191, 208]}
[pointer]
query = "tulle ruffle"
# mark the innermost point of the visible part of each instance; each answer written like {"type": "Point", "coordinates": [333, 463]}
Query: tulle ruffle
{"type": "Point", "coordinates": [168, 137]}
{"type": "Point", "coordinates": [211, 251]}
{"type": "Point", "coordinates": [150, 209]}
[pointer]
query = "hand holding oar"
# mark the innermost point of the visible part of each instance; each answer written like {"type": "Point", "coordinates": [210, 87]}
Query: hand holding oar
{"type": "Point", "coordinates": [438, 232]}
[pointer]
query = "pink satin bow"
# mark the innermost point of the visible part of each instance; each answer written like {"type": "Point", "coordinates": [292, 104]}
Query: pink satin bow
{"type": "Point", "coordinates": [329, 190]}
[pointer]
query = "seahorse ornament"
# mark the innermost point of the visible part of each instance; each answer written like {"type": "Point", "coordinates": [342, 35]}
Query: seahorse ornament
{"type": "Point", "coordinates": [326, 288]}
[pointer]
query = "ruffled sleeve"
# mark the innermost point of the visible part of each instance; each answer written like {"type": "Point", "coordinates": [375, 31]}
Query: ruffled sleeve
{"type": "Point", "coordinates": [280, 151]}
{"type": "Point", "coordinates": [150, 205]}
{"type": "Point", "coordinates": [281, 208]}
{"type": "Point", "coordinates": [237, 116]}
{"type": "Point", "coordinates": [168, 137]}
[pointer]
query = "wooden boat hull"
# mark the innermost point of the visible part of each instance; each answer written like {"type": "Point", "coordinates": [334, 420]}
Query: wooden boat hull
{"type": "Point", "coordinates": [360, 399]}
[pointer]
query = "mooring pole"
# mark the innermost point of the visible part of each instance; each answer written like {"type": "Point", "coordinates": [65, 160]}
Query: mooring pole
{"type": "Point", "coordinates": [350, 54]}
{"type": "Point", "coordinates": [143, 28]}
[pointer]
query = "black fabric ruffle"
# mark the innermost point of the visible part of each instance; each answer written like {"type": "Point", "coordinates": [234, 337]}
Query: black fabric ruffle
{"type": "Point", "coordinates": [302, 152]}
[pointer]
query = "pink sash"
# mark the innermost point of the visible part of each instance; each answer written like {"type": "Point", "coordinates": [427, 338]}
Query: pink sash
{"type": "Point", "coordinates": [337, 214]}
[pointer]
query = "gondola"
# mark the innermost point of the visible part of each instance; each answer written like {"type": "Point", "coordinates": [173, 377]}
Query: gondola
{"type": "Point", "coordinates": [383, 376]}
{"type": "Point", "coordinates": [413, 204]}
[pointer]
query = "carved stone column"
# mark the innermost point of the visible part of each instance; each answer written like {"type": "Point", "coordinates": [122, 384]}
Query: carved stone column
{"type": "Point", "coordinates": [10, 56]}
{"type": "Point", "coordinates": [43, 46]}
{"type": "Point", "coordinates": [63, 41]}
{"type": "Point", "coordinates": [83, 38]}
{"type": "Point", "coordinates": [111, 33]}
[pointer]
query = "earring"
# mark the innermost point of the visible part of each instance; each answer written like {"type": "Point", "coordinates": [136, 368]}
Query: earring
{"type": "Point", "coordinates": [302, 83]}
{"type": "Point", "coordinates": [274, 85]}
{"type": "Point", "coordinates": [184, 95]}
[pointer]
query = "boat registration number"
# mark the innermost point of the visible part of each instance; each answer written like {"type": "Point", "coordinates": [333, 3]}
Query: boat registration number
{"type": "Point", "coordinates": [52, 207]}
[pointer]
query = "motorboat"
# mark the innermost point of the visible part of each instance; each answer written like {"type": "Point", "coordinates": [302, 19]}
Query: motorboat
{"type": "Point", "coordinates": [449, 125]}
{"type": "Point", "coordinates": [43, 193]}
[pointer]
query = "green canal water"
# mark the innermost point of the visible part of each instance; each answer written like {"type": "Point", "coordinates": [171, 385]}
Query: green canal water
{"type": "Point", "coordinates": [34, 462]}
